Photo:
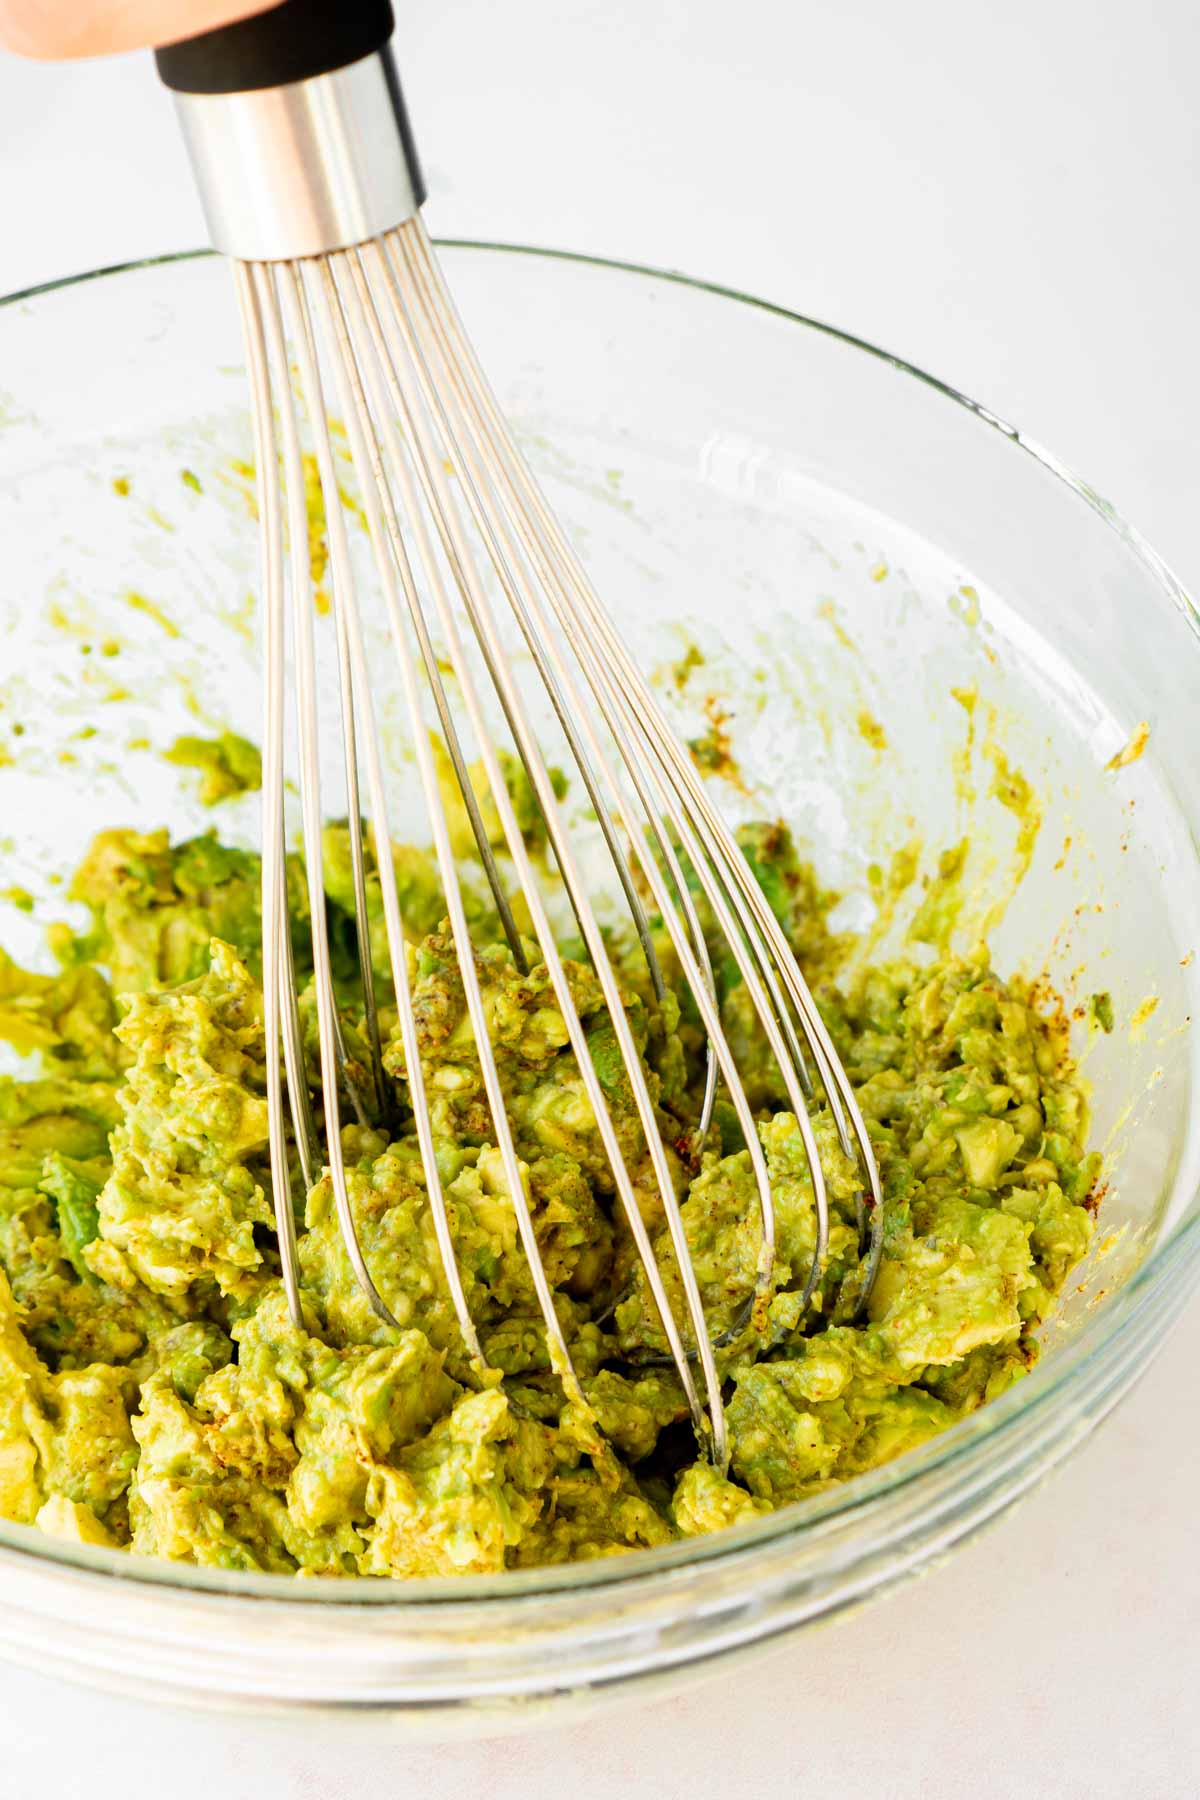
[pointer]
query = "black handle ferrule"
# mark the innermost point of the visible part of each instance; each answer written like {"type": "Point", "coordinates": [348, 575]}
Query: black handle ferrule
{"type": "Point", "coordinates": [291, 42]}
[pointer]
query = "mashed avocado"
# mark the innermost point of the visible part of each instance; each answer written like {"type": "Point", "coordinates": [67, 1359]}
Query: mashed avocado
{"type": "Point", "coordinates": [155, 1393]}
{"type": "Point", "coordinates": [229, 765]}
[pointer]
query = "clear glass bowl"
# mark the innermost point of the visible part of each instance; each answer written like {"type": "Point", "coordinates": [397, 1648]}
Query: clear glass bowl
{"type": "Point", "coordinates": [851, 543]}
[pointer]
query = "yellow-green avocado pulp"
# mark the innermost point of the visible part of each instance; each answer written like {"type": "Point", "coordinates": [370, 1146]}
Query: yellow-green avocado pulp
{"type": "Point", "coordinates": [154, 1393]}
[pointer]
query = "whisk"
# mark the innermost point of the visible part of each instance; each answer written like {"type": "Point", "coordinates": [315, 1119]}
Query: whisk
{"type": "Point", "coordinates": [310, 181]}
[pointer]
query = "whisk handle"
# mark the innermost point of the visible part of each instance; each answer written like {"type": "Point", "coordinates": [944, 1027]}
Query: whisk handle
{"type": "Point", "coordinates": [295, 41]}
{"type": "Point", "coordinates": [296, 128]}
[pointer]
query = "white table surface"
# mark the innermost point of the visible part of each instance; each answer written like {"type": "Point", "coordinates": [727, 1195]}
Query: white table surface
{"type": "Point", "coordinates": [1006, 195]}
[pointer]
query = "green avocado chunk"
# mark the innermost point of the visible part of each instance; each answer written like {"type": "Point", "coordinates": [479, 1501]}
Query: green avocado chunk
{"type": "Point", "coordinates": [229, 765]}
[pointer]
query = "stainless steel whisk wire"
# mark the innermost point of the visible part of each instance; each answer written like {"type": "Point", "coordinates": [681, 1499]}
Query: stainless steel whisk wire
{"type": "Point", "coordinates": [338, 284]}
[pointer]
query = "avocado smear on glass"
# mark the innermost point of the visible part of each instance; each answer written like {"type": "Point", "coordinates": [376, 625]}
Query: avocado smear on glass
{"type": "Point", "coordinates": [155, 1394]}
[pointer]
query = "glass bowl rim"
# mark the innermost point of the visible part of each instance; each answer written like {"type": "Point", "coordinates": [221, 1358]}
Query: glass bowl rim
{"type": "Point", "coordinates": [1173, 1259]}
